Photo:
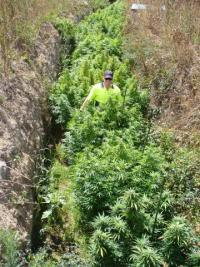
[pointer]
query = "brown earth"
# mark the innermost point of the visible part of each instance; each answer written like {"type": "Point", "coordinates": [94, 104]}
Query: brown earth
{"type": "Point", "coordinates": [165, 50]}
{"type": "Point", "coordinates": [180, 104]}
{"type": "Point", "coordinates": [24, 121]}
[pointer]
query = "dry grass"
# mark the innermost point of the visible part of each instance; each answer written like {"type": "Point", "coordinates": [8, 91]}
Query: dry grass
{"type": "Point", "coordinates": [176, 30]}
{"type": "Point", "coordinates": [165, 50]}
{"type": "Point", "coordinates": [20, 20]}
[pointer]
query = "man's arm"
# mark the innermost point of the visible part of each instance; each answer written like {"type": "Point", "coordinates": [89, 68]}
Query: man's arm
{"type": "Point", "coordinates": [85, 103]}
{"type": "Point", "coordinates": [88, 98]}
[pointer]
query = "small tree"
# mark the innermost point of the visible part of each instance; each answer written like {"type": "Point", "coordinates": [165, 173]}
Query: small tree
{"type": "Point", "coordinates": [145, 255]}
{"type": "Point", "coordinates": [177, 241]}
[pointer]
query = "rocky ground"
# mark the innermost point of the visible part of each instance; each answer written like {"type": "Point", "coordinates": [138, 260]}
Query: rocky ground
{"type": "Point", "coordinates": [24, 120]}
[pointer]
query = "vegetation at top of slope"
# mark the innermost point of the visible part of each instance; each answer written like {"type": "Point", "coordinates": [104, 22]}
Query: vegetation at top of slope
{"type": "Point", "coordinates": [163, 46]}
{"type": "Point", "coordinates": [22, 19]}
{"type": "Point", "coordinates": [124, 193]}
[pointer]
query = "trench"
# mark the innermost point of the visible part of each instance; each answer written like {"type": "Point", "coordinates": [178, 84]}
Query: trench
{"type": "Point", "coordinates": [53, 137]}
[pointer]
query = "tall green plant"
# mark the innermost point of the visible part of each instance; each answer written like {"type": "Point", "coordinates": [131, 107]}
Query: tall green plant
{"type": "Point", "coordinates": [177, 241]}
{"type": "Point", "coordinates": [9, 248]}
{"type": "Point", "coordinates": [145, 255]}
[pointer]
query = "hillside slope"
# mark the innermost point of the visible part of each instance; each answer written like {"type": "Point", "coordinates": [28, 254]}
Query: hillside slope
{"type": "Point", "coordinates": [25, 120]}
{"type": "Point", "coordinates": [165, 50]}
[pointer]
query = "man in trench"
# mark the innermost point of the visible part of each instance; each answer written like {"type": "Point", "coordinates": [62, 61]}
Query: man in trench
{"type": "Point", "coordinates": [102, 92]}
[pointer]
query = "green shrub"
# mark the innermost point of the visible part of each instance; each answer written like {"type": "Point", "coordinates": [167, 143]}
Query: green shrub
{"type": "Point", "coordinates": [145, 255]}
{"type": "Point", "coordinates": [104, 250]}
{"type": "Point", "coordinates": [9, 248]}
{"type": "Point", "coordinates": [41, 258]}
{"type": "Point", "coordinates": [177, 241]}
{"type": "Point", "coordinates": [194, 259]}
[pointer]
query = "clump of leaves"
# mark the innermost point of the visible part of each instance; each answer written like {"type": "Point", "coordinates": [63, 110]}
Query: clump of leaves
{"type": "Point", "coordinates": [178, 240]}
{"type": "Point", "coordinates": [104, 250]}
{"type": "Point", "coordinates": [9, 248]}
{"type": "Point", "coordinates": [145, 255]}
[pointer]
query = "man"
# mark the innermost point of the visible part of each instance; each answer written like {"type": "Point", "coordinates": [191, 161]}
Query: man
{"type": "Point", "coordinates": [101, 92]}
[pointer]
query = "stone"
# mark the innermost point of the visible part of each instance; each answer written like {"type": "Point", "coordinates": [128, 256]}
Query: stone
{"type": "Point", "coordinates": [4, 170]}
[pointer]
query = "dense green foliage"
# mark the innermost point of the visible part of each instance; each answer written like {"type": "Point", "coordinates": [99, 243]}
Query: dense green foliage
{"type": "Point", "coordinates": [124, 196]}
{"type": "Point", "coordinates": [9, 249]}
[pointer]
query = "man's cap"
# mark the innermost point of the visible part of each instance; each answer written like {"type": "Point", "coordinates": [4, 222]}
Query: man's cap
{"type": "Point", "coordinates": [108, 74]}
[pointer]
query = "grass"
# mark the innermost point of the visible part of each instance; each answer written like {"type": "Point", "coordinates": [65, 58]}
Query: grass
{"type": "Point", "coordinates": [164, 49]}
{"type": "Point", "coordinates": [21, 21]}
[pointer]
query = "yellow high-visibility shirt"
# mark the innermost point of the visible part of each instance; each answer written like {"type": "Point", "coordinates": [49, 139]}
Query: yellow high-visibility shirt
{"type": "Point", "coordinates": [101, 94]}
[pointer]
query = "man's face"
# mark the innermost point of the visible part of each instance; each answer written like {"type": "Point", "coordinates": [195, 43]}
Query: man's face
{"type": "Point", "coordinates": [107, 82]}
